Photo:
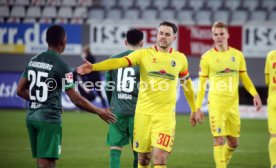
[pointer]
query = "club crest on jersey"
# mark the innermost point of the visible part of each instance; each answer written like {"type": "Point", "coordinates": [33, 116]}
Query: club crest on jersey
{"type": "Point", "coordinates": [136, 144]}
{"type": "Point", "coordinates": [233, 59]}
{"type": "Point", "coordinates": [173, 63]}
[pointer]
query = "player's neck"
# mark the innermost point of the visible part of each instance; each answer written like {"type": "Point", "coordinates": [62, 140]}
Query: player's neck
{"type": "Point", "coordinates": [129, 47]}
{"type": "Point", "coordinates": [55, 49]}
{"type": "Point", "coordinates": [222, 47]}
{"type": "Point", "coordinates": [161, 49]}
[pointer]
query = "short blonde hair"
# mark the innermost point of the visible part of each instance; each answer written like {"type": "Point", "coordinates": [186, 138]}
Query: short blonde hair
{"type": "Point", "coordinates": [219, 24]}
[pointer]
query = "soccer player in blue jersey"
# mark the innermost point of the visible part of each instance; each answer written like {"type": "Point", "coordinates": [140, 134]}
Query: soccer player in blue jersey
{"type": "Point", "coordinates": [42, 82]}
{"type": "Point", "coordinates": [123, 100]}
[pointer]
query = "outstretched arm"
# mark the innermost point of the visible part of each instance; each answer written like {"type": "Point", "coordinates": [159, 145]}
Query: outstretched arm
{"type": "Point", "coordinates": [83, 103]}
{"type": "Point", "coordinates": [247, 83]}
{"type": "Point", "coordinates": [108, 64]}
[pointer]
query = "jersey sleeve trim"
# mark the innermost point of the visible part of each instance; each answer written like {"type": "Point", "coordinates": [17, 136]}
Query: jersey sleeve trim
{"type": "Point", "coordinates": [129, 62]}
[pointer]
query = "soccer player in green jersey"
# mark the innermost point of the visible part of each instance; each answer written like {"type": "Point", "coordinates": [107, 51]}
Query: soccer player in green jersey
{"type": "Point", "coordinates": [122, 97]}
{"type": "Point", "coordinates": [42, 82]}
{"type": "Point", "coordinates": [270, 80]}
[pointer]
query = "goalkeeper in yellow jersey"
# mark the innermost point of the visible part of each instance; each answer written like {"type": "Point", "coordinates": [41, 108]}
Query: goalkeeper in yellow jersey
{"type": "Point", "coordinates": [270, 80]}
{"type": "Point", "coordinates": [223, 66]}
{"type": "Point", "coordinates": [160, 68]}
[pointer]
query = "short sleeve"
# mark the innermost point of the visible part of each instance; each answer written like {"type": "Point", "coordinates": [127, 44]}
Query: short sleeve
{"type": "Point", "coordinates": [67, 76]}
{"type": "Point", "coordinates": [242, 67]}
{"type": "Point", "coordinates": [203, 66]}
{"type": "Point", "coordinates": [184, 72]}
{"type": "Point", "coordinates": [134, 57]}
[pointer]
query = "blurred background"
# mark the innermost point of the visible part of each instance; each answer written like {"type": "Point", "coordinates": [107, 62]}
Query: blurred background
{"type": "Point", "coordinates": [102, 24]}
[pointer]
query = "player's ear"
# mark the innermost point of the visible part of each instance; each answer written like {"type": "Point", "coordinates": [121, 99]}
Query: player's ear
{"type": "Point", "coordinates": [141, 43]}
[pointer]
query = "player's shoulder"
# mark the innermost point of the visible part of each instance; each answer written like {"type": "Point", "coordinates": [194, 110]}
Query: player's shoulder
{"type": "Point", "coordinates": [271, 54]}
{"type": "Point", "coordinates": [122, 54]}
{"type": "Point", "coordinates": [235, 51]}
{"type": "Point", "coordinates": [208, 53]}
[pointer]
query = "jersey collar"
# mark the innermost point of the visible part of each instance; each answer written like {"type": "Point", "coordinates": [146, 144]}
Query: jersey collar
{"type": "Point", "coordinates": [218, 50]}
{"type": "Point", "coordinates": [156, 49]}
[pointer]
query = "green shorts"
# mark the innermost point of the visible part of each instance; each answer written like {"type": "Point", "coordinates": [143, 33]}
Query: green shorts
{"type": "Point", "coordinates": [121, 132]}
{"type": "Point", "coordinates": [45, 139]}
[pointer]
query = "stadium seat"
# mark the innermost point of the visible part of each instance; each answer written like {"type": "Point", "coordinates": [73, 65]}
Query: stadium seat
{"type": "Point", "coordinates": [97, 13]}
{"type": "Point", "coordinates": [178, 4]}
{"type": "Point", "coordinates": [107, 4]}
{"type": "Point", "coordinates": [18, 11]}
{"type": "Point", "coordinates": [161, 4]}
{"type": "Point", "coordinates": [221, 15]}
{"type": "Point", "coordinates": [250, 4]}
{"type": "Point", "coordinates": [4, 11]}
{"type": "Point", "coordinates": [53, 2]}
{"type": "Point", "coordinates": [126, 4]}
{"type": "Point", "coordinates": [85, 3]}
{"type": "Point", "coordinates": [143, 4]}
{"type": "Point", "coordinates": [196, 4]}
{"type": "Point", "coordinates": [13, 20]}
{"type": "Point", "coordinates": [132, 14]}
{"type": "Point", "coordinates": [149, 14]}
{"type": "Point", "coordinates": [239, 17]}
{"type": "Point", "coordinates": [167, 14]}
{"type": "Point", "coordinates": [61, 21]}
{"type": "Point", "coordinates": [33, 12]}
{"type": "Point", "coordinates": [71, 3]}
{"type": "Point", "coordinates": [258, 16]}
{"type": "Point", "coordinates": [232, 4]}
{"type": "Point", "coordinates": [21, 2]}
{"type": "Point", "coordinates": [45, 20]}
{"type": "Point", "coordinates": [203, 17]}
{"type": "Point", "coordinates": [38, 2]}
{"type": "Point", "coordinates": [80, 12]}
{"type": "Point", "coordinates": [65, 12]}
{"type": "Point", "coordinates": [114, 14]}
{"type": "Point", "coordinates": [214, 4]}
{"type": "Point", "coordinates": [269, 4]}
{"type": "Point", "coordinates": [185, 17]}
{"type": "Point", "coordinates": [49, 12]}
{"type": "Point", "coordinates": [29, 20]}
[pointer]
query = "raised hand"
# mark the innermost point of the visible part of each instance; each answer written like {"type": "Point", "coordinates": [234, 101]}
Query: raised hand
{"type": "Point", "coordinates": [85, 68]}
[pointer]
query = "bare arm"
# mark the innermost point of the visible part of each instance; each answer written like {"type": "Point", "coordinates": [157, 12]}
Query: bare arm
{"type": "Point", "coordinates": [23, 89]}
{"type": "Point", "coordinates": [83, 103]}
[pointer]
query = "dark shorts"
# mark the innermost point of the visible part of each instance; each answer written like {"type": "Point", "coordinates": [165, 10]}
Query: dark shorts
{"type": "Point", "coordinates": [45, 138]}
{"type": "Point", "coordinates": [121, 132]}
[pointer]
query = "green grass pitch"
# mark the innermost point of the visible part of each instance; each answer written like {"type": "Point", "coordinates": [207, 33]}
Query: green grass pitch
{"type": "Point", "coordinates": [83, 143]}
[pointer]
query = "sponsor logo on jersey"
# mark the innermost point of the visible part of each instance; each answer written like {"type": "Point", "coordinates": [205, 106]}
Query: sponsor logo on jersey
{"type": "Point", "coordinates": [233, 59]}
{"type": "Point", "coordinates": [161, 74]}
{"type": "Point", "coordinates": [69, 77]}
{"type": "Point", "coordinates": [173, 63]}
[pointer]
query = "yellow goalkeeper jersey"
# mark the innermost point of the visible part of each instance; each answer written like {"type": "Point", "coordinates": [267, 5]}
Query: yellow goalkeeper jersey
{"type": "Point", "coordinates": [159, 74]}
{"type": "Point", "coordinates": [270, 70]}
{"type": "Point", "coordinates": [222, 68]}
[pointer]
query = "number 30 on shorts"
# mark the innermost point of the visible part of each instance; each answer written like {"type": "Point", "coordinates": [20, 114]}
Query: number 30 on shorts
{"type": "Point", "coordinates": [164, 139]}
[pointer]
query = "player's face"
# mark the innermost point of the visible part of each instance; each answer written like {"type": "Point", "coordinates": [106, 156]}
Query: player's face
{"type": "Point", "coordinates": [220, 36]}
{"type": "Point", "coordinates": [165, 36]}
